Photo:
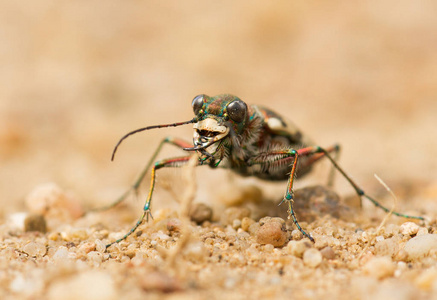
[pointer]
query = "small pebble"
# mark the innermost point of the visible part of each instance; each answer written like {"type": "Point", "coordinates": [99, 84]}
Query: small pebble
{"type": "Point", "coordinates": [100, 246]}
{"type": "Point", "coordinates": [379, 238]}
{"type": "Point", "coordinates": [236, 224]}
{"type": "Point", "coordinates": [401, 256]}
{"type": "Point", "coordinates": [78, 233]}
{"type": "Point", "coordinates": [61, 254]}
{"type": "Point", "coordinates": [35, 249]}
{"type": "Point", "coordinates": [365, 237]}
{"type": "Point", "coordinates": [322, 241]}
{"type": "Point", "coordinates": [50, 198]}
{"type": "Point", "coordinates": [398, 272]}
{"type": "Point", "coordinates": [95, 257]}
{"type": "Point", "coordinates": [296, 235]}
{"type": "Point", "coordinates": [379, 267]}
{"type": "Point", "coordinates": [387, 247]}
{"type": "Point", "coordinates": [128, 252]}
{"type": "Point", "coordinates": [16, 220]}
{"type": "Point", "coordinates": [139, 259]}
{"type": "Point", "coordinates": [160, 236]}
{"type": "Point", "coordinates": [312, 258]}
{"type": "Point", "coordinates": [409, 228]}
{"type": "Point", "coordinates": [87, 247]}
{"type": "Point", "coordinates": [246, 222]}
{"type": "Point", "coordinates": [200, 213]}
{"type": "Point", "coordinates": [265, 220]}
{"type": "Point", "coordinates": [35, 222]}
{"type": "Point", "coordinates": [54, 236]}
{"type": "Point", "coordinates": [422, 231]}
{"type": "Point", "coordinates": [420, 246]}
{"type": "Point", "coordinates": [10, 253]}
{"type": "Point", "coordinates": [254, 228]}
{"type": "Point", "coordinates": [298, 248]}
{"type": "Point", "coordinates": [328, 253]}
{"type": "Point", "coordinates": [391, 229]}
{"type": "Point", "coordinates": [272, 231]}
{"type": "Point", "coordinates": [268, 248]}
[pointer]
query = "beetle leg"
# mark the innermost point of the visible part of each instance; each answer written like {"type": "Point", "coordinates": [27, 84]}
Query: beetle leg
{"type": "Point", "coordinates": [360, 192]}
{"type": "Point", "coordinates": [165, 163]}
{"type": "Point", "coordinates": [134, 188]}
{"type": "Point", "coordinates": [278, 156]}
{"type": "Point", "coordinates": [313, 153]}
{"type": "Point", "coordinates": [289, 194]}
{"type": "Point", "coordinates": [314, 157]}
{"type": "Point", "coordinates": [336, 149]}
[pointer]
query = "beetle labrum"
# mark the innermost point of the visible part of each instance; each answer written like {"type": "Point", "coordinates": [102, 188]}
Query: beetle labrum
{"type": "Point", "coordinates": [249, 140]}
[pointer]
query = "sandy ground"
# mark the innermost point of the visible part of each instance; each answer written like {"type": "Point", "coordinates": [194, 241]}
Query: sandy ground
{"type": "Point", "coordinates": [76, 76]}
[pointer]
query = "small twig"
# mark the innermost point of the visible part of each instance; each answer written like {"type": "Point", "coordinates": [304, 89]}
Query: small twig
{"type": "Point", "coordinates": [187, 199]}
{"type": "Point", "coordinates": [395, 202]}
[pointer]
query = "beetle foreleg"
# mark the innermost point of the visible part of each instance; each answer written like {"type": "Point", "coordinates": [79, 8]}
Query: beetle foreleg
{"type": "Point", "coordinates": [171, 162]}
{"type": "Point", "coordinates": [134, 188]}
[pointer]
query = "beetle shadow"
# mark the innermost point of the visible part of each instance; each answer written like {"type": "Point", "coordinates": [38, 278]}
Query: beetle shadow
{"type": "Point", "coordinates": [310, 203]}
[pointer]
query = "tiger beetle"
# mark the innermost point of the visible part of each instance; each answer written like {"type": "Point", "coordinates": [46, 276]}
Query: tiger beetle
{"type": "Point", "coordinates": [249, 140]}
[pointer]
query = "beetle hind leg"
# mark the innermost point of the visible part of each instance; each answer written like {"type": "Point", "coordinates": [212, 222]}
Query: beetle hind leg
{"type": "Point", "coordinates": [336, 149]}
{"type": "Point", "coordinates": [313, 157]}
{"type": "Point", "coordinates": [360, 192]}
{"type": "Point", "coordinates": [313, 154]}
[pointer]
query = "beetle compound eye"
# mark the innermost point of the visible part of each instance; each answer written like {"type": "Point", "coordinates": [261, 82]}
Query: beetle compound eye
{"type": "Point", "coordinates": [237, 110]}
{"type": "Point", "coordinates": [197, 103]}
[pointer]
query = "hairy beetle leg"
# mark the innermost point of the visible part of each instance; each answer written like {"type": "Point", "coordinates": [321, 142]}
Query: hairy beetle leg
{"type": "Point", "coordinates": [289, 193]}
{"type": "Point", "coordinates": [289, 198]}
{"type": "Point", "coordinates": [280, 156]}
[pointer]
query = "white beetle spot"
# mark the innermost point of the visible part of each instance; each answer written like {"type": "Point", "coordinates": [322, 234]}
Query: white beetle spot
{"type": "Point", "coordinates": [275, 124]}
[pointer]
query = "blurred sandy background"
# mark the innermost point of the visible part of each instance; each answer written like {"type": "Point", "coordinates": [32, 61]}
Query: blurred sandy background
{"type": "Point", "coordinates": [76, 75]}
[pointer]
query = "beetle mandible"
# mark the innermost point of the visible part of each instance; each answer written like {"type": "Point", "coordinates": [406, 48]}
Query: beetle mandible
{"type": "Point", "coordinates": [250, 140]}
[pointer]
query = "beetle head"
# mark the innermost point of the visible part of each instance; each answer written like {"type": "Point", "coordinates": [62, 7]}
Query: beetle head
{"type": "Point", "coordinates": [218, 118]}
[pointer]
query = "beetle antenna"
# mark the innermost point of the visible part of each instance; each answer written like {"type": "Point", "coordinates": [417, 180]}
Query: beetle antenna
{"type": "Point", "coordinates": [147, 128]}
